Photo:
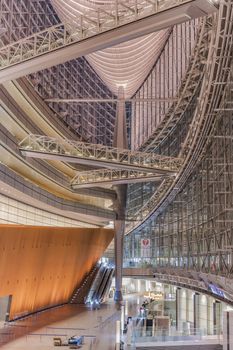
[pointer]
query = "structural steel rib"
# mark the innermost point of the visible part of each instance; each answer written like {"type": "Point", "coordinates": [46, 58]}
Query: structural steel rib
{"type": "Point", "coordinates": [45, 147]}
{"type": "Point", "coordinates": [97, 30]}
{"type": "Point", "coordinates": [216, 76]}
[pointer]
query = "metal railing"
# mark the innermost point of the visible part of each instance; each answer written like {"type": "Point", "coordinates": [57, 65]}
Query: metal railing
{"type": "Point", "coordinates": [154, 335]}
{"type": "Point", "coordinates": [100, 177]}
{"type": "Point", "coordinates": [90, 24]}
{"type": "Point", "coordinates": [71, 151]}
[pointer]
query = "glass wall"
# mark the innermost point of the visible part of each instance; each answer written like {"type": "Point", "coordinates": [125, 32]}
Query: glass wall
{"type": "Point", "coordinates": [157, 94]}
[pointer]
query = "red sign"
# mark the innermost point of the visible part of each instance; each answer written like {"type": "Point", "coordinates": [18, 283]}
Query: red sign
{"type": "Point", "coordinates": [145, 242]}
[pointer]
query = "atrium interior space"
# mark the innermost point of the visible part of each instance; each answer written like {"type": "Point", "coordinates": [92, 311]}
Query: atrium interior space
{"type": "Point", "coordinates": [116, 174]}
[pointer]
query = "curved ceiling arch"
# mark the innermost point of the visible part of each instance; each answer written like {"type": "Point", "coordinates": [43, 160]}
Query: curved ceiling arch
{"type": "Point", "coordinates": [126, 64]}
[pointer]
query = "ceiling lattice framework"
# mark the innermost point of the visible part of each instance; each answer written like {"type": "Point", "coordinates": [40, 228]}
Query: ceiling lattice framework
{"type": "Point", "coordinates": [126, 64]}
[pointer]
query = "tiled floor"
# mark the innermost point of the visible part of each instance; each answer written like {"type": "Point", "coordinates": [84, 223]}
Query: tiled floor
{"type": "Point", "coordinates": [98, 327]}
{"type": "Point", "coordinates": [37, 332]}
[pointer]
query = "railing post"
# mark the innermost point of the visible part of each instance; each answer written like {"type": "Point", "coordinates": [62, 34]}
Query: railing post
{"type": "Point", "coordinates": [81, 27]}
{"type": "Point", "coordinates": [98, 20]}
{"type": "Point", "coordinates": [116, 14]}
{"type": "Point", "coordinates": [64, 35]}
{"type": "Point", "coordinates": [35, 45]}
{"type": "Point", "coordinates": [136, 9]}
{"type": "Point", "coordinates": [21, 51]}
{"type": "Point", "coordinates": [49, 32]}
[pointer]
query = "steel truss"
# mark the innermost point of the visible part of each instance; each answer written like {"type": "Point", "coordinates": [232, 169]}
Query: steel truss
{"type": "Point", "coordinates": [86, 179]}
{"type": "Point", "coordinates": [109, 100]}
{"type": "Point", "coordinates": [187, 91]}
{"type": "Point", "coordinates": [62, 36]}
{"type": "Point", "coordinates": [22, 18]}
{"type": "Point", "coordinates": [165, 81]}
{"type": "Point", "coordinates": [93, 154]}
{"type": "Point", "coordinates": [169, 135]}
{"type": "Point", "coordinates": [195, 231]}
{"type": "Point", "coordinates": [93, 123]}
{"type": "Point", "coordinates": [216, 68]}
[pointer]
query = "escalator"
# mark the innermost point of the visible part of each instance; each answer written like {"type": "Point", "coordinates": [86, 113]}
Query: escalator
{"type": "Point", "coordinates": [106, 287]}
{"type": "Point", "coordinates": [100, 286]}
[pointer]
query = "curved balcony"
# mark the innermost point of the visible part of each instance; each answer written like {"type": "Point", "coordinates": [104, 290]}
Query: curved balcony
{"type": "Point", "coordinates": [200, 282]}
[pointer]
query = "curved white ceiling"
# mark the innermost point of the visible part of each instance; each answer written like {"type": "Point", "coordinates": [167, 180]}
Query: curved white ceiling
{"type": "Point", "coordinates": [126, 64]}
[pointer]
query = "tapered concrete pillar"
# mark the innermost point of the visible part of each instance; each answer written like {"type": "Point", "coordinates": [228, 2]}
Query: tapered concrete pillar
{"type": "Point", "coordinates": [120, 132]}
{"type": "Point", "coordinates": [120, 141]}
{"type": "Point", "coordinates": [119, 237]}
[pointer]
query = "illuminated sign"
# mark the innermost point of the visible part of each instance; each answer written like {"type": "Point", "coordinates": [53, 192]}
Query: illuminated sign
{"type": "Point", "coordinates": [216, 290]}
{"type": "Point", "coordinates": [154, 295]}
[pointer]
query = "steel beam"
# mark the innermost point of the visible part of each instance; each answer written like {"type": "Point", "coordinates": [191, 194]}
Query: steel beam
{"type": "Point", "coordinates": [103, 177]}
{"type": "Point", "coordinates": [44, 147]}
{"type": "Point", "coordinates": [62, 43]}
{"type": "Point", "coordinates": [109, 100]}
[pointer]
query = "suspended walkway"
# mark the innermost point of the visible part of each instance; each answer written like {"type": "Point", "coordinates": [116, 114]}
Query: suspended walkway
{"type": "Point", "coordinates": [97, 30]}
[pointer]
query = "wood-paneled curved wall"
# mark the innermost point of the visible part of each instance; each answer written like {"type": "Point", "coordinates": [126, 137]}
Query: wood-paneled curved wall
{"type": "Point", "coordinates": [41, 266]}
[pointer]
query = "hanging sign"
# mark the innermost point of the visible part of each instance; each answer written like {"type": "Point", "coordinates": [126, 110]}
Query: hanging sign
{"type": "Point", "coordinates": [145, 247]}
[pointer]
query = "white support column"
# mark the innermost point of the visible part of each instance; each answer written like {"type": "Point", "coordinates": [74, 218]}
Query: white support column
{"type": "Point", "coordinates": [228, 330]}
{"type": "Point", "coordinates": [203, 310]}
{"type": "Point", "coordinates": [139, 286]}
{"type": "Point", "coordinates": [210, 314]}
{"type": "Point", "coordinates": [189, 310]}
{"type": "Point", "coordinates": [196, 311]}
{"type": "Point", "coordinates": [189, 306]}
{"type": "Point", "coordinates": [181, 304]}
{"type": "Point", "coordinates": [217, 317]}
{"type": "Point", "coordinates": [118, 334]}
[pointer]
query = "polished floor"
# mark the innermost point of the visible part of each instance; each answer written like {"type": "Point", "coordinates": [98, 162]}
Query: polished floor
{"type": "Point", "coordinates": [98, 326]}
{"type": "Point", "coordinates": [37, 332]}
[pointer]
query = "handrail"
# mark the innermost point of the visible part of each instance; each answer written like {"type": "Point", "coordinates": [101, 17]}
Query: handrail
{"type": "Point", "coordinates": [111, 156]}
{"type": "Point", "coordinates": [86, 179]}
{"type": "Point", "coordinates": [90, 24]}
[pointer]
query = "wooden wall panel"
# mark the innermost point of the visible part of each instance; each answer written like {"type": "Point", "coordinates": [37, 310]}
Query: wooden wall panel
{"type": "Point", "coordinates": [40, 266]}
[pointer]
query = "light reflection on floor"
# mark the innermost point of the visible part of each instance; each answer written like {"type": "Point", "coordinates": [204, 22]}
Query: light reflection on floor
{"type": "Point", "coordinates": [37, 332]}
